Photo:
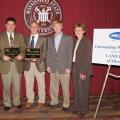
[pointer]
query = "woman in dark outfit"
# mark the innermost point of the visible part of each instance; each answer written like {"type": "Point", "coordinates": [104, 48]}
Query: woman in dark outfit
{"type": "Point", "coordinates": [81, 70]}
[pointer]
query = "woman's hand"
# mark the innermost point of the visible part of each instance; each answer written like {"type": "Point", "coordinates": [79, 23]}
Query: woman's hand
{"type": "Point", "coordinates": [82, 76]}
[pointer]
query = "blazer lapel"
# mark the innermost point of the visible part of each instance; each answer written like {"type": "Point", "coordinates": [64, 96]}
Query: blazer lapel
{"type": "Point", "coordinates": [28, 42]}
{"type": "Point", "coordinates": [80, 44]}
{"type": "Point", "coordinates": [52, 39]}
{"type": "Point", "coordinates": [6, 41]}
{"type": "Point", "coordinates": [39, 42]}
{"type": "Point", "coordinates": [16, 41]}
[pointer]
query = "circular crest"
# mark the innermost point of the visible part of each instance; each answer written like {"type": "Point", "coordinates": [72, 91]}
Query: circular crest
{"type": "Point", "coordinates": [44, 12]}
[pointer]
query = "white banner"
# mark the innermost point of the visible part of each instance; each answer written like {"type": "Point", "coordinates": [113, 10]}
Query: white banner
{"type": "Point", "coordinates": [106, 46]}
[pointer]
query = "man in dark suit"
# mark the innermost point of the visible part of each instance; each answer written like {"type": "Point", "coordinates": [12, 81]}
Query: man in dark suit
{"type": "Point", "coordinates": [59, 60]}
{"type": "Point", "coordinates": [81, 70]}
{"type": "Point", "coordinates": [35, 67]}
{"type": "Point", "coordinates": [11, 69]}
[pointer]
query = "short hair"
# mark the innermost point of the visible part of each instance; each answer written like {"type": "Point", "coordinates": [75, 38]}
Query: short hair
{"type": "Point", "coordinates": [55, 22]}
{"type": "Point", "coordinates": [80, 25]}
{"type": "Point", "coordinates": [11, 19]}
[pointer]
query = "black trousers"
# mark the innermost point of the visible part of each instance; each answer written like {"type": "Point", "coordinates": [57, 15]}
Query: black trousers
{"type": "Point", "coordinates": [81, 91]}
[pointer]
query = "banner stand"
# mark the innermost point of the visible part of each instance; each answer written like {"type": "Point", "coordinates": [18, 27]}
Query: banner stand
{"type": "Point", "coordinates": [104, 84]}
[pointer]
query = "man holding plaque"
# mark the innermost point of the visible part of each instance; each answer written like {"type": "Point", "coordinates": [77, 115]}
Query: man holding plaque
{"type": "Point", "coordinates": [12, 52]}
{"type": "Point", "coordinates": [59, 60]}
{"type": "Point", "coordinates": [35, 66]}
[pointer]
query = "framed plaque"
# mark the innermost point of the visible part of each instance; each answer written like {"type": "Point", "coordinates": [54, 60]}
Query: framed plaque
{"type": "Point", "coordinates": [12, 52]}
{"type": "Point", "coordinates": [33, 53]}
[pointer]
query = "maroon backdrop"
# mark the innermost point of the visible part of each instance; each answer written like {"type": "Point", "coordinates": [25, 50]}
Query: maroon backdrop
{"type": "Point", "coordinates": [94, 13]}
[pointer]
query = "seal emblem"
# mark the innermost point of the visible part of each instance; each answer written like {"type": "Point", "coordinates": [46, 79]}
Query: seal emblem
{"type": "Point", "coordinates": [44, 12]}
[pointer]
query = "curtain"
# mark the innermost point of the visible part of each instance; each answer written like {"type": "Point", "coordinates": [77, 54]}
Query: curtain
{"type": "Point", "coordinates": [93, 13]}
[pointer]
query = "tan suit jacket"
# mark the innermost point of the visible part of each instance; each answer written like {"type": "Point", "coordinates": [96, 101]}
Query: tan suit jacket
{"type": "Point", "coordinates": [42, 44]}
{"type": "Point", "coordinates": [4, 43]}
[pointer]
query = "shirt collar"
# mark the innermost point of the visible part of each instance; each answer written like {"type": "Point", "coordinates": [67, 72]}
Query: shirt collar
{"type": "Point", "coordinates": [59, 34]}
{"type": "Point", "coordinates": [78, 40]}
{"type": "Point", "coordinates": [35, 36]}
{"type": "Point", "coordinates": [8, 33]}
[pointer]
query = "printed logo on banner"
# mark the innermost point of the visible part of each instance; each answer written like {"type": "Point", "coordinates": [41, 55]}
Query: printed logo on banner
{"type": "Point", "coordinates": [115, 35]}
{"type": "Point", "coordinates": [44, 12]}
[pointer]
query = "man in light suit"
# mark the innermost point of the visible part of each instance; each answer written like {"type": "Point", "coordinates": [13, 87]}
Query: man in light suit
{"type": "Point", "coordinates": [59, 60]}
{"type": "Point", "coordinates": [11, 69]}
{"type": "Point", "coordinates": [36, 67]}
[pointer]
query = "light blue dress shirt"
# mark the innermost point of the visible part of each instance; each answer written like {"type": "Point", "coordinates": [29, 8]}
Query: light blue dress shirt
{"type": "Point", "coordinates": [57, 39]}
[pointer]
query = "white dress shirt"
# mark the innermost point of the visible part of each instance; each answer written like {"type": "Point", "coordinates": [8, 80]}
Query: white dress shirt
{"type": "Point", "coordinates": [8, 34]}
{"type": "Point", "coordinates": [57, 39]}
{"type": "Point", "coordinates": [75, 49]}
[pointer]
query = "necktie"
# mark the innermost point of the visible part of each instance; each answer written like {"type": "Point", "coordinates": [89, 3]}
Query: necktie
{"type": "Point", "coordinates": [11, 41]}
{"type": "Point", "coordinates": [32, 42]}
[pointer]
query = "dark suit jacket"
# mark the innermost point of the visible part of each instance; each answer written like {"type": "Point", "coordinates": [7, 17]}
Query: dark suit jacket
{"type": "Point", "coordinates": [62, 59]}
{"type": "Point", "coordinates": [83, 57]}
{"type": "Point", "coordinates": [4, 43]}
{"type": "Point", "coordinates": [42, 44]}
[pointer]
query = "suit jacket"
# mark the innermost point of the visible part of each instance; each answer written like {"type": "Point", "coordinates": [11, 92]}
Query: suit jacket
{"type": "Point", "coordinates": [62, 59]}
{"type": "Point", "coordinates": [42, 44]}
{"type": "Point", "coordinates": [4, 43]}
{"type": "Point", "coordinates": [84, 57]}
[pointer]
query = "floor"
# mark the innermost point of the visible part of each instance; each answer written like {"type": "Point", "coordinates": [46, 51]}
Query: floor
{"type": "Point", "coordinates": [109, 110]}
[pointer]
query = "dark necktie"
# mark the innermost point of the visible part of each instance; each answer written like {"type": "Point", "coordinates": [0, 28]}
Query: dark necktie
{"type": "Point", "coordinates": [11, 41]}
{"type": "Point", "coordinates": [32, 42]}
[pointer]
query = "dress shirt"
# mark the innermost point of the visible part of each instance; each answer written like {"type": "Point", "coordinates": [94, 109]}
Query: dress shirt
{"type": "Point", "coordinates": [57, 39]}
{"type": "Point", "coordinates": [75, 49]}
{"type": "Point", "coordinates": [35, 39]}
{"type": "Point", "coordinates": [8, 34]}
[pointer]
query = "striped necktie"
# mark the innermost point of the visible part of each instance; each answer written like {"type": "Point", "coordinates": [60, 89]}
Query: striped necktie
{"type": "Point", "coordinates": [11, 40]}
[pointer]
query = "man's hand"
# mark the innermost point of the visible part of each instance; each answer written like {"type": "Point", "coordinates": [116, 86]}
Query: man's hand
{"type": "Point", "coordinates": [67, 71]}
{"type": "Point", "coordinates": [19, 57]}
{"type": "Point", "coordinates": [48, 70]}
{"type": "Point", "coordinates": [6, 58]}
{"type": "Point", "coordinates": [82, 76]}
